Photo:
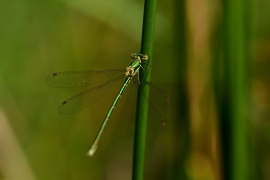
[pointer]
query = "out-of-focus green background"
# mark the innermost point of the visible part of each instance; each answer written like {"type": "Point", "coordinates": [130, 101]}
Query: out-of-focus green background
{"type": "Point", "coordinates": [38, 38]}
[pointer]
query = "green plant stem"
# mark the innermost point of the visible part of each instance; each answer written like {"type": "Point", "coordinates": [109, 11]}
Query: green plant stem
{"type": "Point", "coordinates": [143, 90]}
{"type": "Point", "coordinates": [234, 98]}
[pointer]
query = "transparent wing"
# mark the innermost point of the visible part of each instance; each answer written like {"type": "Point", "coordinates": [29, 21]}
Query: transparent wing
{"type": "Point", "coordinates": [158, 106]}
{"type": "Point", "coordinates": [86, 98]}
{"type": "Point", "coordinates": [79, 78]}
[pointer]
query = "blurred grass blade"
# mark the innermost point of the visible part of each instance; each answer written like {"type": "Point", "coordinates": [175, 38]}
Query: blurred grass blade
{"type": "Point", "coordinates": [103, 10]}
{"type": "Point", "coordinates": [180, 126]}
{"type": "Point", "coordinates": [233, 104]}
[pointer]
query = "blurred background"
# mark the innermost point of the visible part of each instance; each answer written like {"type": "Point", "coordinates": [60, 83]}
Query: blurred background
{"type": "Point", "coordinates": [38, 38]}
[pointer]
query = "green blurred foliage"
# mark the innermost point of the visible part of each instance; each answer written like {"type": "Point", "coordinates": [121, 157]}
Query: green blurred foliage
{"type": "Point", "coordinates": [38, 38]}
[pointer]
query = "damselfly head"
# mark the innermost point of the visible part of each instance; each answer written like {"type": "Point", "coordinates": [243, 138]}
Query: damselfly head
{"type": "Point", "coordinates": [143, 57]}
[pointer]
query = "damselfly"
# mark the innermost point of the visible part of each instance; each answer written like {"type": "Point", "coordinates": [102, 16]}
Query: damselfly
{"type": "Point", "coordinates": [84, 99]}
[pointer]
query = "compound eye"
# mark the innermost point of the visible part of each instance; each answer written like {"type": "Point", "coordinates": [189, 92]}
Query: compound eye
{"type": "Point", "coordinates": [134, 55]}
{"type": "Point", "coordinates": [145, 57]}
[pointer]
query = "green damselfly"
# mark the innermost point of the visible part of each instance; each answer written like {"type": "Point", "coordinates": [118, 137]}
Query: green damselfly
{"type": "Point", "coordinates": [84, 99]}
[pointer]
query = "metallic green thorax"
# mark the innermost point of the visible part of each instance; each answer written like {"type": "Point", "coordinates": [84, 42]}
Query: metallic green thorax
{"type": "Point", "coordinates": [132, 69]}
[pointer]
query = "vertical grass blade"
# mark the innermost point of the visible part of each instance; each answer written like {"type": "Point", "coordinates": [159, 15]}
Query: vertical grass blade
{"type": "Point", "coordinates": [143, 91]}
{"type": "Point", "coordinates": [180, 134]}
{"type": "Point", "coordinates": [233, 104]}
